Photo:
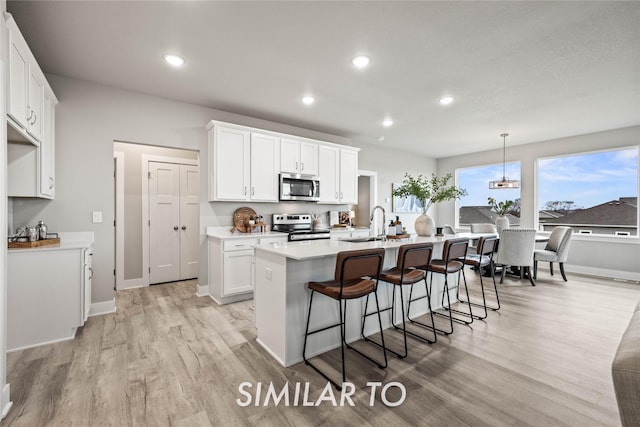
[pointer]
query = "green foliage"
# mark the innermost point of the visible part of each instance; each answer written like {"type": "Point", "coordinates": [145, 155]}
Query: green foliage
{"type": "Point", "coordinates": [429, 190]}
{"type": "Point", "coordinates": [501, 208]}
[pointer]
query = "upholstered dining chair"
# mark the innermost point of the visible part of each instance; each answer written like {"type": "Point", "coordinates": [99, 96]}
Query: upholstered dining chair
{"type": "Point", "coordinates": [557, 250]}
{"type": "Point", "coordinates": [516, 250]}
{"type": "Point", "coordinates": [483, 228]}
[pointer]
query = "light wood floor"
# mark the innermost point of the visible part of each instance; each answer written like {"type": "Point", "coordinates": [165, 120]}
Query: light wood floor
{"type": "Point", "coordinates": [169, 358]}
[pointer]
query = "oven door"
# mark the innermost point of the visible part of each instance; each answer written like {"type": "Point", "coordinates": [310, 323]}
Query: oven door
{"type": "Point", "coordinates": [299, 187]}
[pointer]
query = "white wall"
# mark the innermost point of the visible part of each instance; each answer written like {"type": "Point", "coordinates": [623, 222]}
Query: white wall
{"type": "Point", "coordinates": [90, 117]}
{"type": "Point", "coordinates": [612, 257]}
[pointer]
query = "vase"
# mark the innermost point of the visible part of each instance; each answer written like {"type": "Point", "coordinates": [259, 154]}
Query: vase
{"type": "Point", "coordinates": [502, 222]}
{"type": "Point", "coordinates": [424, 225]}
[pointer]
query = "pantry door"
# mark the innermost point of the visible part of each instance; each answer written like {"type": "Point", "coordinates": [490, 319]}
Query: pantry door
{"type": "Point", "coordinates": [164, 222]}
{"type": "Point", "coordinates": [189, 221]}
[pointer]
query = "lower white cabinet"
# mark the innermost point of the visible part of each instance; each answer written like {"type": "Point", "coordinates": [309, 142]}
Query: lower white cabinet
{"type": "Point", "coordinates": [231, 266]}
{"type": "Point", "coordinates": [48, 294]}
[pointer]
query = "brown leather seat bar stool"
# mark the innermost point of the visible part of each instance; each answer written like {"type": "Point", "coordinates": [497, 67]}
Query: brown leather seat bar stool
{"type": "Point", "coordinates": [480, 260]}
{"type": "Point", "coordinates": [406, 272]}
{"type": "Point", "coordinates": [356, 275]}
{"type": "Point", "coordinates": [453, 250]}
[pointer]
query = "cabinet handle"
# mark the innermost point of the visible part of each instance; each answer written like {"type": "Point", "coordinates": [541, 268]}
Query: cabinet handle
{"type": "Point", "coordinates": [253, 191]}
{"type": "Point", "coordinates": [302, 166]}
{"type": "Point", "coordinates": [51, 181]}
{"type": "Point", "coordinates": [341, 196]}
{"type": "Point", "coordinates": [184, 227]}
{"type": "Point", "coordinates": [30, 111]}
{"type": "Point", "coordinates": [35, 117]}
{"type": "Point", "coordinates": [336, 195]}
{"type": "Point", "coordinates": [175, 227]}
{"type": "Point", "coordinates": [244, 192]}
{"type": "Point", "coordinates": [91, 271]}
{"type": "Point", "coordinates": [296, 165]}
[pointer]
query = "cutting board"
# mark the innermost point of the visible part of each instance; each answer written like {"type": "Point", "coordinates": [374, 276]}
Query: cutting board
{"type": "Point", "coordinates": [34, 244]}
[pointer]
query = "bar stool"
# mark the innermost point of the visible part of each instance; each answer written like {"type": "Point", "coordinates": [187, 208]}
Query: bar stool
{"type": "Point", "coordinates": [481, 259]}
{"type": "Point", "coordinates": [406, 272]}
{"type": "Point", "coordinates": [356, 275]}
{"type": "Point", "coordinates": [453, 250]}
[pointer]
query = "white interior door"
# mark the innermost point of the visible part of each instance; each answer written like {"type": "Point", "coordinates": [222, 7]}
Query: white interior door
{"type": "Point", "coordinates": [164, 222]}
{"type": "Point", "coordinates": [189, 221]}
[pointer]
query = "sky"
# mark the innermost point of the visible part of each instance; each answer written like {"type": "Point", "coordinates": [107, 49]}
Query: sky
{"type": "Point", "coordinates": [586, 179]}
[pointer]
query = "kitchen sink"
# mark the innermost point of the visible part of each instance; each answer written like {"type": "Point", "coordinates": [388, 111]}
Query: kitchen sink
{"type": "Point", "coordinates": [361, 239]}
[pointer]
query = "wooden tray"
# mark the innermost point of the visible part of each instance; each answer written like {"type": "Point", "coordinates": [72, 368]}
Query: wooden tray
{"type": "Point", "coordinates": [35, 244]}
{"type": "Point", "coordinates": [398, 236]}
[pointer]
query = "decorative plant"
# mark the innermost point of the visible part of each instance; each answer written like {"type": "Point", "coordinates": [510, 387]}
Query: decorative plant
{"type": "Point", "coordinates": [429, 190]}
{"type": "Point", "coordinates": [501, 208]}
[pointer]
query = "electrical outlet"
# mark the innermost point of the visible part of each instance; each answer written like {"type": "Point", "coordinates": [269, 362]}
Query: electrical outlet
{"type": "Point", "coordinates": [96, 217]}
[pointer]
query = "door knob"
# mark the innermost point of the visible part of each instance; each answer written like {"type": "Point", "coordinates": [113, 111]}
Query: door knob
{"type": "Point", "coordinates": [175, 227]}
{"type": "Point", "coordinates": [184, 227]}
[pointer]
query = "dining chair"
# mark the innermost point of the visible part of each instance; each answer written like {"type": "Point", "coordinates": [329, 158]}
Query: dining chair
{"type": "Point", "coordinates": [481, 260]}
{"type": "Point", "coordinates": [556, 250]}
{"type": "Point", "coordinates": [483, 228]}
{"type": "Point", "coordinates": [515, 249]}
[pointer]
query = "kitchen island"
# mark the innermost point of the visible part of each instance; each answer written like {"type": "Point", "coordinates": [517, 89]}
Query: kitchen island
{"type": "Point", "coordinates": [282, 271]}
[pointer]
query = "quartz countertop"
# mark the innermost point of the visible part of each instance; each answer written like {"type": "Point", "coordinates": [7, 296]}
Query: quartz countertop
{"type": "Point", "coordinates": [68, 240]}
{"type": "Point", "coordinates": [224, 233]}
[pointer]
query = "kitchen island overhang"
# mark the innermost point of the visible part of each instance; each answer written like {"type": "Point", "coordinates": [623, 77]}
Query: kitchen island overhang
{"type": "Point", "coordinates": [281, 296]}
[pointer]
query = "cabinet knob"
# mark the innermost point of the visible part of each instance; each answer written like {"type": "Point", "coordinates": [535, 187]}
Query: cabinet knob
{"type": "Point", "coordinates": [184, 227]}
{"type": "Point", "coordinates": [175, 227]}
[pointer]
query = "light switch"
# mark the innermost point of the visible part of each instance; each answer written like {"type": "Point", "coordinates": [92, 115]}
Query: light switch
{"type": "Point", "coordinates": [96, 217]}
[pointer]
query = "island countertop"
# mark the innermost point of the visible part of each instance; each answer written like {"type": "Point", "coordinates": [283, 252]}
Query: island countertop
{"type": "Point", "coordinates": [311, 249]}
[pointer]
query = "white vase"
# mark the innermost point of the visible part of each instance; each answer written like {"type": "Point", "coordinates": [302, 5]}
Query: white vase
{"type": "Point", "coordinates": [502, 222]}
{"type": "Point", "coordinates": [424, 225]}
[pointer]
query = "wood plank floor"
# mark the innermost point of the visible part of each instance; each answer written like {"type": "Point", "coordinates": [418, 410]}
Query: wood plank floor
{"type": "Point", "coordinates": [169, 358]}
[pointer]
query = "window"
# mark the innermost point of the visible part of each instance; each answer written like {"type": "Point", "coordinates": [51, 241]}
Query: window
{"type": "Point", "coordinates": [595, 193]}
{"type": "Point", "coordinates": [474, 207]}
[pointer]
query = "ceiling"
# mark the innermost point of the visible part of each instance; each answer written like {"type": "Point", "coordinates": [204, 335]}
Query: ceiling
{"type": "Point", "coordinates": [537, 70]}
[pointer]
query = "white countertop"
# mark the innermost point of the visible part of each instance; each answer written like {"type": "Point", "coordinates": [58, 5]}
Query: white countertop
{"type": "Point", "coordinates": [68, 240]}
{"type": "Point", "coordinates": [310, 249]}
{"type": "Point", "coordinates": [224, 233]}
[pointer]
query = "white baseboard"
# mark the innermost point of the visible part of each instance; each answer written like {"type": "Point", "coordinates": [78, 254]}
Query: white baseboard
{"type": "Point", "coordinates": [589, 271]}
{"type": "Point", "coordinates": [104, 307]}
{"type": "Point", "coordinates": [202, 290]}
{"type": "Point", "coordinates": [234, 298]}
{"type": "Point", "coordinates": [6, 403]}
{"type": "Point", "coordinates": [26, 347]}
{"type": "Point", "coordinates": [133, 283]}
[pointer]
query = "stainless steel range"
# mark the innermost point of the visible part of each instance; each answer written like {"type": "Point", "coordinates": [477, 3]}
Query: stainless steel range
{"type": "Point", "coordinates": [298, 226]}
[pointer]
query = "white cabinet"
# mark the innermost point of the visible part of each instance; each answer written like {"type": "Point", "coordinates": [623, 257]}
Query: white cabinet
{"type": "Point", "coordinates": [27, 86]}
{"type": "Point", "coordinates": [243, 165]}
{"type": "Point", "coordinates": [231, 266]}
{"type": "Point", "coordinates": [31, 119]}
{"type": "Point", "coordinates": [48, 294]}
{"type": "Point", "coordinates": [350, 233]}
{"type": "Point", "coordinates": [298, 157]}
{"type": "Point", "coordinates": [338, 173]}
{"type": "Point", "coordinates": [264, 161]}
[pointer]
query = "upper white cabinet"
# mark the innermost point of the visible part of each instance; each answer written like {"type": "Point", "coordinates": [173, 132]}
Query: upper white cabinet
{"type": "Point", "coordinates": [264, 161]}
{"type": "Point", "coordinates": [31, 118]}
{"type": "Point", "coordinates": [338, 173]}
{"type": "Point", "coordinates": [27, 86]}
{"type": "Point", "coordinates": [243, 165]}
{"type": "Point", "coordinates": [298, 157]}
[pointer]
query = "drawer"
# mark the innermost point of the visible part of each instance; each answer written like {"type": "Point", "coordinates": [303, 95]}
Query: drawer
{"type": "Point", "coordinates": [267, 240]}
{"type": "Point", "coordinates": [238, 244]}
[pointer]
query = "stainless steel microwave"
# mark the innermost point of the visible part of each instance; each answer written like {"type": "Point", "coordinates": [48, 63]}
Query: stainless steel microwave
{"type": "Point", "coordinates": [299, 187]}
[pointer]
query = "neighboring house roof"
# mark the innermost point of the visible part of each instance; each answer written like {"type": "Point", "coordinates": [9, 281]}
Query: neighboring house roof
{"type": "Point", "coordinates": [482, 215]}
{"type": "Point", "coordinates": [615, 212]}
{"type": "Point", "coordinates": [549, 214]}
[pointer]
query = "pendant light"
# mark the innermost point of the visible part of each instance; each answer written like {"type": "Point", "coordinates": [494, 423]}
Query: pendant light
{"type": "Point", "coordinates": [504, 183]}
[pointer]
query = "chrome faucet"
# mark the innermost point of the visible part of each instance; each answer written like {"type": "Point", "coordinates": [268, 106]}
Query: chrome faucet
{"type": "Point", "coordinates": [384, 219]}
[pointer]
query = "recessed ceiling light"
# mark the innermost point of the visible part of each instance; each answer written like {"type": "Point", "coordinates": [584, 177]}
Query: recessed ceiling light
{"type": "Point", "coordinates": [308, 100]}
{"type": "Point", "coordinates": [361, 61]}
{"type": "Point", "coordinates": [387, 122]}
{"type": "Point", "coordinates": [174, 60]}
{"type": "Point", "coordinates": [446, 100]}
